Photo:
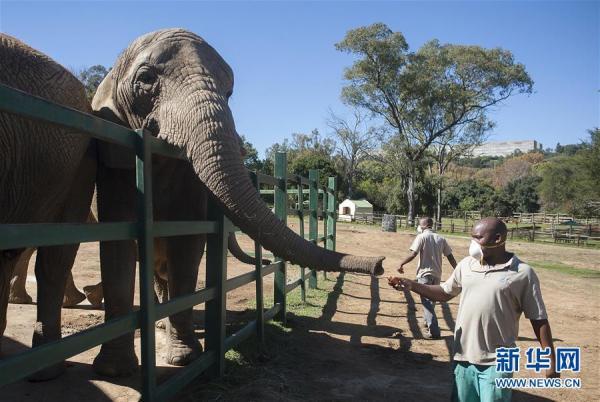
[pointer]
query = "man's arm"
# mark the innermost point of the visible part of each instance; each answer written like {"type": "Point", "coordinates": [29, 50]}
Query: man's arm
{"type": "Point", "coordinates": [544, 335]}
{"type": "Point", "coordinates": [408, 259]}
{"type": "Point", "coordinates": [451, 260]}
{"type": "Point", "coordinates": [432, 292]}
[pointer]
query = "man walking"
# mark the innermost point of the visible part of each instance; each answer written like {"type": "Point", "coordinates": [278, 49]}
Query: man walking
{"type": "Point", "coordinates": [429, 246]}
{"type": "Point", "coordinates": [496, 288]}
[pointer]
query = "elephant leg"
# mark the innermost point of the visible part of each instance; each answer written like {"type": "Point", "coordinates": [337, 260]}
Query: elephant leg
{"type": "Point", "coordinates": [183, 255]}
{"type": "Point", "coordinates": [8, 261]}
{"type": "Point", "coordinates": [116, 203]}
{"type": "Point", "coordinates": [52, 268]}
{"type": "Point", "coordinates": [18, 293]}
{"type": "Point", "coordinates": [161, 289]}
{"type": "Point", "coordinates": [72, 295]}
{"type": "Point", "coordinates": [94, 294]}
{"type": "Point", "coordinates": [53, 264]}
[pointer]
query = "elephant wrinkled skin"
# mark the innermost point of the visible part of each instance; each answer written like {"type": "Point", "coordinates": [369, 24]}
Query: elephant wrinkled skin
{"type": "Point", "coordinates": [175, 85]}
{"type": "Point", "coordinates": [46, 176]}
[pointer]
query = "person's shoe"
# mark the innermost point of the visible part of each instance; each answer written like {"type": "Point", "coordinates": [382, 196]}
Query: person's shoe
{"type": "Point", "coordinates": [427, 335]}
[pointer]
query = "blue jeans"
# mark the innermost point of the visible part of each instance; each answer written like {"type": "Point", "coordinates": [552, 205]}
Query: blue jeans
{"type": "Point", "coordinates": [429, 306]}
{"type": "Point", "coordinates": [475, 383]}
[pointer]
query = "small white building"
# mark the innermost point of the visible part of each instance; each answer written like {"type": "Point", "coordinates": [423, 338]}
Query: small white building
{"type": "Point", "coordinates": [348, 209]}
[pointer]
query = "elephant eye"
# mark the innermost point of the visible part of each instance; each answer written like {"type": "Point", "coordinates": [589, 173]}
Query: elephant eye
{"type": "Point", "coordinates": [146, 76]}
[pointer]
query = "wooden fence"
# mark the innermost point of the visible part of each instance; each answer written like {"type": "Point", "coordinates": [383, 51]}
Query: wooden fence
{"type": "Point", "coordinates": [579, 233]}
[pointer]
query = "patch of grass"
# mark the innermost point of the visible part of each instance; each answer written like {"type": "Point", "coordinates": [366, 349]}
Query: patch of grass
{"type": "Point", "coordinates": [566, 269]}
{"type": "Point", "coordinates": [315, 298]}
{"type": "Point", "coordinates": [234, 357]}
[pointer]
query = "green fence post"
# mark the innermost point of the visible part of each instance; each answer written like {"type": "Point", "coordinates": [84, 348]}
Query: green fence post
{"type": "Point", "coordinates": [216, 276]}
{"type": "Point", "coordinates": [325, 215]}
{"type": "Point", "coordinates": [331, 213]}
{"type": "Point", "coordinates": [313, 222]}
{"type": "Point", "coordinates": [301, 223]}
{"type": "Point", "coordinates": [260, 305]}
{"type": "Point", "coordinates": [143, 161]}
{"type": "Point", "coordinates": [281, 212]}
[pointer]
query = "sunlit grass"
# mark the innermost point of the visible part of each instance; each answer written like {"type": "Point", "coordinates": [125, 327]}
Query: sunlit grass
{"type": "Point", "coordinates": [566, 269]}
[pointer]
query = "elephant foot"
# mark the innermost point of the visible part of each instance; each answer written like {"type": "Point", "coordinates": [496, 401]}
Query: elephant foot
{"type": "Point", "coordinates": [71, 300]}
{"type": "Point", "coordinates": [49, 373]}
{"type": "Point", "coordinates": [94, 294]}
{"type": "Point", "coordinates": [181, 352]}
{"type": "Point", "coordinates": [20, 299]}
{"type": "Point", "coordinates": [115, 363]}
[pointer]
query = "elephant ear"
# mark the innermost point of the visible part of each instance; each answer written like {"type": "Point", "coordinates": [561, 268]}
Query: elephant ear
{"type": "Point", "coordinates": [104, 105]}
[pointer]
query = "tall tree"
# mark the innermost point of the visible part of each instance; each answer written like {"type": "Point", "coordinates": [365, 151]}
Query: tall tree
{"type": "Point", "coordinates": [425, 94]}
{"type": "Point", "coordinates": [91, 78]}
{"type": "Point", "coordinates": [355, 142]}
{"type": "Point", "coordinates": [305, 152]}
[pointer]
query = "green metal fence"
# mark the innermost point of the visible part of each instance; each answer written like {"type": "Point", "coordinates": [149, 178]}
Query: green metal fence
{"type": "Point", "coordinates": [144, 230]}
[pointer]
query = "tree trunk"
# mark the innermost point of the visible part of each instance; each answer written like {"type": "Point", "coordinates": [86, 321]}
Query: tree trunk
{"type": "Point", "coordinates": [410, 195]}
{"type": "Point", "coordinates": [350, 188]}
{"type": "Point", "coordinates": [438, 217]}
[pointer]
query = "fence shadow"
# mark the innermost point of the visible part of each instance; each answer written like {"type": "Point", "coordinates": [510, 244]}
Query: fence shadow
{"type": "Point", "coordinates": [312, 360]}
{"type": "Point", "coordinates": [75, 385]}
{"type": "Point", "coordinates": [332, 298]}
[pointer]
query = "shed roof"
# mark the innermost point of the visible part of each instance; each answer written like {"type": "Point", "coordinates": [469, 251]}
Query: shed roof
{"type": "Point", "coordinates": [362, 203]}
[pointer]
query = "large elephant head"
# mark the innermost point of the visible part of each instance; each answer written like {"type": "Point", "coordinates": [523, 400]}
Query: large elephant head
{"type": "Point", "coordinates": [177, 86]}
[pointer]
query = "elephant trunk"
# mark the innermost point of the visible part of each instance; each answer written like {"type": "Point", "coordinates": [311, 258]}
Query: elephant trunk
{"type": "Point", "coordinates": [212, 146]}
{"type": "Point", "coordinates": [237, 252]}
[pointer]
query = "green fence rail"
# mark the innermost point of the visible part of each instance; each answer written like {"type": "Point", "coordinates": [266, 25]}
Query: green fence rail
{"type": "Point", "coordinates": [214, 294]}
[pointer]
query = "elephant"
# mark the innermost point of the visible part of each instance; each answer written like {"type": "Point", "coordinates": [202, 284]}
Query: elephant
{"type": "Point", "coordinates": [174, 85]}
{"type": "Point", "coordinates": [47, 175]}
{"type": "Point", "coordinates": [94, 293]}
{"type": "Point", "coordinates": [18, 294]}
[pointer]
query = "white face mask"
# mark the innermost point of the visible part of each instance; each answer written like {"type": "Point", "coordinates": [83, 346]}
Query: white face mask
{"type": "Point", "coordinates": [476, 251]}
{"type": "Point", "coordinates": [419, 229]}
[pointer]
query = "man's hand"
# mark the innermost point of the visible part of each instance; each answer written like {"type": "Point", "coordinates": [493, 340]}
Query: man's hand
{"type": "Point", "coordinates": [399, 283]}
{"type": "Point", "coordinates": [401, 269]}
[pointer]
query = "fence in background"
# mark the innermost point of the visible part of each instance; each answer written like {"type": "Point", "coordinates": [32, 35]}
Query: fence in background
{"type": "Point", "coordinates": [580, 232]}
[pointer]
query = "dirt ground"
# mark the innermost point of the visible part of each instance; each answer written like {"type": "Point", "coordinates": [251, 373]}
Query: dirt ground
{"type": "Point", "coordinates": [364, 343]}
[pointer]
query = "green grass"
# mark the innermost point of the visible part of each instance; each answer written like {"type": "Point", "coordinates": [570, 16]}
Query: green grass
{"type": "Point", "coordinates": [315, 298]}
{"type": "Point", "coordinates": [566, 269]}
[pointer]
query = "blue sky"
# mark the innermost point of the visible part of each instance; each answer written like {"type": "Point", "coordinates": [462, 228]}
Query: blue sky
{"type": "Point", "coordinates": [288, 73]}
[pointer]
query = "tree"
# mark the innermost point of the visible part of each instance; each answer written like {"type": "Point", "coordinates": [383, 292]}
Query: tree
{"type": "Point", "coordinates": [251, 159]}
{"type": "Point", "coordinates": [356, 142]}
{"type": "Point", "coordinates": [516, 167]}
{"type": "Point", "coordinates": [91, 78]}
{"type": "Point", "coordinates": [468, 195]}
{"type": "Point", "coordinates": [457, 142]}
{"type": "Point", "coordinates": [572, 183]}
{"type": "Point", "coordinates": [523, 194]}
{"type": "Point", "coordinates": [305, 152]}
{"type": "Point", "coordinates": [423, 95]}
